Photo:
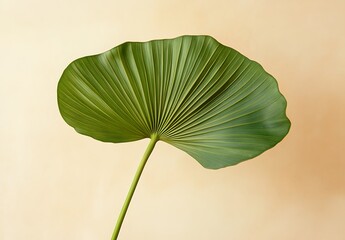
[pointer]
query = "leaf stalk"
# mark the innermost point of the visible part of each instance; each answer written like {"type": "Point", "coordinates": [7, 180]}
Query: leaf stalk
{"type": "Point", "coordinates": [149, 149]}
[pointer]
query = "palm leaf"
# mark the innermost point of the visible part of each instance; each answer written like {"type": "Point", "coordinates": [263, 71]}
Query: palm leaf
{"type": "Point", "coordinates": [192, 92]}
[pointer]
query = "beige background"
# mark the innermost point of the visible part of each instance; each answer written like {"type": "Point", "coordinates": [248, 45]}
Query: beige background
{"type": "Point", "coordinates": [57, 184]}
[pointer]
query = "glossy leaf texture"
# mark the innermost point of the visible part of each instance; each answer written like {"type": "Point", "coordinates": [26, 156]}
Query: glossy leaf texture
{"type": "Point", "coordinates": [196, 94]}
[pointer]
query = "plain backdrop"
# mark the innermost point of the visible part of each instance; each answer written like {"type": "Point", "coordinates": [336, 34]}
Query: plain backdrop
{"type": "Point", "coordinates": [56, 184]}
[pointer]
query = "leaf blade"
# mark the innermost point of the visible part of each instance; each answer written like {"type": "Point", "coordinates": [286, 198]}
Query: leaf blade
{"type": "Point", "coordinates": [195, 93]}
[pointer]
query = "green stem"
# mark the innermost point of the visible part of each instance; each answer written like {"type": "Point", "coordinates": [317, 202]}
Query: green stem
{"type": "Point", "coordinates": [154, 139]}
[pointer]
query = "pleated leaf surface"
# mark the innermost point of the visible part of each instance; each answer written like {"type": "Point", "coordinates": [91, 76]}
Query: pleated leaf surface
{"type": "Point", "coordinates": [196, 94]}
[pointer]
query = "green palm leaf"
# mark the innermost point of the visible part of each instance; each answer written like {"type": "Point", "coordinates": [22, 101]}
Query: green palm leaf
{"type": "Point", "coordinates": [194, 93]}
{"type": "Point", "coordinates": [191, 92]}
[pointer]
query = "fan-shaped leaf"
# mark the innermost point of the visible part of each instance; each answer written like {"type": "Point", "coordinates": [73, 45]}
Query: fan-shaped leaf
{"type": "Point", "coordinates": [192, 92]}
